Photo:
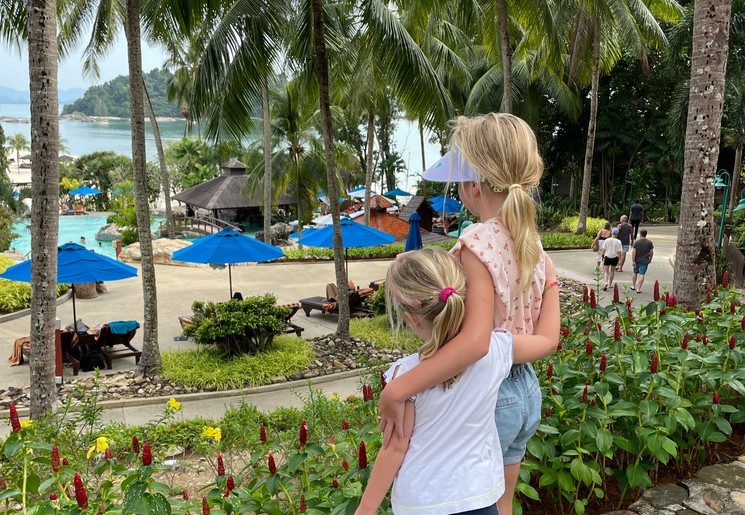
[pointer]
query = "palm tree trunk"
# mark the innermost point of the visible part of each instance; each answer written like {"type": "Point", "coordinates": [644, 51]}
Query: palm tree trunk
{"type": "Point", "coordinates": [42, 70]}
{"type": "Point", "coordinates": [734, 192]}
{"type": "Point", "coordinates": [150, 361]}
{"type": "Point", "coordinates": [590, 147]}
{"type": "Point", "coordinates": [369, 162]}
{"type": "Point", "coordinates": [421, 145]}
{"type": "Point", "coordinates": [506, 56]}
{"type": "Point", "coordinates": [165, 183]}
{"type": "Point", "coordinates": [694, 270]}
{"type": "Point", "coordinates": [266, 115]}
{"type": "Point", "coordinates": [342, 329]}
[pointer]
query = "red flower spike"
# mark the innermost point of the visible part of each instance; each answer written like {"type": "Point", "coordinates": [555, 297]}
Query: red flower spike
{"type": "Point", "coordinates": [587, 382]}
{"type": "Point", "coordinates": [667, 298]}
{"type": "Point", "coordinates": [594, 403]}
{"type": "Point", "coordinates": [147, 455]}
{"type": "Point", "coordinates": [656, 291]}
{"type": "Point", "coordinates": [185, 495]}
{"type": "Point", "coordinates": [220, 465]}
{"type": "Point", "coordinates": [344, 425]}
{"type": "Point", "coordinates": [708, 296]}
{"type": "Point", "coordinates": [547, 413]}
{"type": "Point", "coordinates": [732, 308]}
{"type": "Point", "coordinates": [617, 330]}
{"type": "Point", "coordinates": [653, 366]}
{"type": "Point", "coordinates": [55, 458]}
{"type": "Point", "coordinates": [715, 398]}
{"type": "Point", "coordinates": [229, 486]}
{"type": "Point", "coordinates": [600, 326]}
{"type": "Point", "coordinates": [732, 342]}
{"type": "Point", "coordinates": [362, 456]}
{"type": "Point", "coordinates": [705, 339]}
{"type": "Point", "coordinates": [303, 505]}
{"type": "Point", "coordinates": [15, 423]}
{"type": "Point", "coordinates": [65, 462]}
{"type": "Point", "coordinates": [335, 484]}
{"type": "Point", "coordinates": [700, 318]}
{"type": "Point", "coordinates": [553, 390]}
{"type": "Point", "coordinates": [588, 348]}
{"type": "Point", "coordinates": [559, 346]}
{"type": "Point", "coordinates": [383, 382]}
{"type": "Point", "coordinates": [742, 323]}
{"type": "Point", "coordinates": [345, 464]}
{"type": "Point", "coordinates": [135, 445]}
{"type": "Point", "coordinates": [593, 300]}
{"type": "Point", "coordinates": [673, 301]}
{"type": "Point", "coordinates": [584, 396]}
{"type": "Point", "coordinates": [303, 434]}
{"type": "Point", "coordinates": [550, 369]}
{"type": "Point", "coordinates": [662, 312]}
{"type": "Point", "coordinates": [107, 453]}
{"type": "Point", "coordinates": [262, 434]}
{"type": "Point", "coordinates": [684, 343]}
{"type": "Point", "coordinates": [585, 295]}
{"type": "Point", "coordinates": [80, 495]}
{"type": "Point", "coordinates": [603, 362]}
{"type": "Point", "coordinates": [616, 298]}
{"type": "Point", "coordinates": [53, 496]}
{"type": "Point", "coordinates": [725, 279]}
{"type": "Point", "coordinates": [565, 332]}
{"type": "Point", "coordinates": [272, 465]}
{"type": "Point", "coordinates": [205, 506]}
{"type": "Point", "coordinates": [698, 337]}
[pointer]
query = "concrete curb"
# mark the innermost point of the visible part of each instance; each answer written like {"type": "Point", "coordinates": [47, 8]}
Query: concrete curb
{"type": "Point", "coordinates": [22, 313]}
{"type": "Point", "coordinates": [218, 394]}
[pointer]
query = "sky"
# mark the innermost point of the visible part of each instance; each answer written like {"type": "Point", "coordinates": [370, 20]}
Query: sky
{"type": "Point", "coordinates": [15, 67]}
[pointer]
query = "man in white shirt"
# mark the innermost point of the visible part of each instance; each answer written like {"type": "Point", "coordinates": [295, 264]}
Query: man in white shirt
{"type": "Point", "coordinates": [611, 252]}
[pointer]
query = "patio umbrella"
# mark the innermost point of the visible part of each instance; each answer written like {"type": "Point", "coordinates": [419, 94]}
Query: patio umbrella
{"type": "Point", "coordinates": [443, 204]}
{"type": "Point", "coordinates": [414, 238]}
{"type": "Point", "coordinates": [228, 247]}
{"type": "Point", "coordinates": [353, 235]}
{"type": "Point", "coordinates": [76, 265]}
{"type": "Point", "coordinates": [359, 192]}
{"type": "Point", "coordinates": [84, 190]}
{"type": "Point", "coordinates": [397, 193]}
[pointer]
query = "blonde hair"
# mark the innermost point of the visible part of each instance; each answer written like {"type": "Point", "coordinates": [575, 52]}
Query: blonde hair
{"type": "Point", "coordinates": [503, 149]}
{"type": "Point", "coordinates": [414, 284]}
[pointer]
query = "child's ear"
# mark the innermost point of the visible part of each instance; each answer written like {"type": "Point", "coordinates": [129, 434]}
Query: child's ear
{"type": "Point", "coordinates": [411, 319]}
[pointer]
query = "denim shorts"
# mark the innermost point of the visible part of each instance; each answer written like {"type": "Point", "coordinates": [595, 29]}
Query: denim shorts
{"type": "Point", "coordinates": [641, 268]}
{"type": "Point", "coordinates": [518, 412]}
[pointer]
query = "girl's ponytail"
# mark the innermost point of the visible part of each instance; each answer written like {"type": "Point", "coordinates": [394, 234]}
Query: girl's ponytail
{"type": "Point", "coordinates": [518, 216]}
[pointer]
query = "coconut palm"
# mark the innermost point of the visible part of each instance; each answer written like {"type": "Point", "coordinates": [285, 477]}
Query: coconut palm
{"type": "Point", "coordinates": [694, 270]}
{"type": "Point", "coordinates": [19, 143]}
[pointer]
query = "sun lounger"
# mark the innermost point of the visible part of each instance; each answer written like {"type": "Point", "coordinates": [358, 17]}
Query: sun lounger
{"type": "Point", "coordinates": [330, 305]}
{"type": "Point", "coordinates": [113, 341]}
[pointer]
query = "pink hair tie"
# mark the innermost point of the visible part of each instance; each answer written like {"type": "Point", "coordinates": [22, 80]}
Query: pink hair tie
{"type": "Point", "coordinates": [445, 293]}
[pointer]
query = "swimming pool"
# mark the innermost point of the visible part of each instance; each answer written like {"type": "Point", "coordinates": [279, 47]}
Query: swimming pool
{"type": "Point", "coordinates": [71, 228]}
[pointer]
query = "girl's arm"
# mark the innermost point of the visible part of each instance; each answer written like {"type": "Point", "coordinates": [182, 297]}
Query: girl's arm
{"type": "Point", "coordinates": [386, 466]}
{"type": "Point", "coordinates": [471, 344]}
{"type": "Point", "coordinates": [545, 337]}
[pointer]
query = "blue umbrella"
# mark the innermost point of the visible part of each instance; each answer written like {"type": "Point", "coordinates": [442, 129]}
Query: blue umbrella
{"type": "Point", "coordinates": [76, 265]}
{"type": "Point", "coordinates": [443, 204]}
{"type": "Point", "coordinates": [84, 190]}
{"type": "Point", "coordinates": [352, 235]}
{"type": "Point", "coordinates": [414, 238]}
{"type": "Point", "coordinates": [306, 232]}
{"type": "Point", "coordinates": [228, 247]}
{"type": "Point", "coordinates": [397, 193]}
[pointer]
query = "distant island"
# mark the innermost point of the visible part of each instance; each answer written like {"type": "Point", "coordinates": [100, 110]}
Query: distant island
{"type": "Point", "coordinates": [111, 99]}
{"type": "Point", "coordinates": [15, 96]}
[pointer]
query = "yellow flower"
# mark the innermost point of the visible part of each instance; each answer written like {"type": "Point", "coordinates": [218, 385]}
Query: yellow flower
{"type": "Point", "coordinates": [174, 405]}
{"type": "Point", "coordinates": [212, 432]}
{"type": "Point", "coordinates": [335, 398]}
{"type": "Point", "coordinates": [333, 448]}
{"type": "Point", "coordinates": [27, 423]}
{"type": "Point", "coordinates": [102, 443]}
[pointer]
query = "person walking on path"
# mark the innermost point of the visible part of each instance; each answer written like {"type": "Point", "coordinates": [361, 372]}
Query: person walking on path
{"type": "Point", "coordinates": [636, 214]}
{"type": "Point", "coordinates": [624, 236]}
{"type": "Point", "coordinates": [612, 250]}
{"type": "Point", "coordinates": [597, 245]}
{"type": "Point", "coordinates": [641, 257]}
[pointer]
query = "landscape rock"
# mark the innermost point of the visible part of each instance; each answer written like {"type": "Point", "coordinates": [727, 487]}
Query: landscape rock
{"type": "Point", "coordinates": [665, 495]}
{"type": "Point", "coordinates": [163, 249]}
{"type": "Point", "coordinates": [109, 232]}
{"type": "Point", "coordinates": [727, 475]}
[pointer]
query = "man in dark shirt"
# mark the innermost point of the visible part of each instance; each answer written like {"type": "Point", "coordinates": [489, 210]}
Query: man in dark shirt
{"type": "Point", "coordinates": [641, 257]}
{"type": "Point", "coordinates": [624, 234]}
{"type": "Point", "coordinates": [636, 213]}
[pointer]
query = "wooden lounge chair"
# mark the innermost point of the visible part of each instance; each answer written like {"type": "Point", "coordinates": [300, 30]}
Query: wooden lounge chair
{"type": "Point", "coordinates": [330, 305]}
{"type": "Point", "coordinates": [115, 345]}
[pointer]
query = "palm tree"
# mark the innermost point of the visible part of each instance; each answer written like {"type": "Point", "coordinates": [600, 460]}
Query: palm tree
{"type": "Point", "coordinates": [694, 271]}
{"type": "Point", "coordinates": [18, 142]}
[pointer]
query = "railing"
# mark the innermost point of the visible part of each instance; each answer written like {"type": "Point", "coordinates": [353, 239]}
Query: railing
{"type": "Point", "coordinates": [207, 224]}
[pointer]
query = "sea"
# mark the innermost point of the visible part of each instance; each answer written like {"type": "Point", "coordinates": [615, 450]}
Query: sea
{"type": "Point", "coordinates": [81, 138]}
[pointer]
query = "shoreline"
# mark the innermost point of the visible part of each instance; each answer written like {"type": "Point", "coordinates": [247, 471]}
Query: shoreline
{"type": "Point", "coordinates": [79, 117]}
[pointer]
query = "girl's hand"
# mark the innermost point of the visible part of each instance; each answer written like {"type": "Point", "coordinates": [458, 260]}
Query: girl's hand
{"type": "Point", "coordinates": [391, 411]}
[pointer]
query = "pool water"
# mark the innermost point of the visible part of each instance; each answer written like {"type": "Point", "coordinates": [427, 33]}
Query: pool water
{"type": "Point", "coordinates": [71, 228]}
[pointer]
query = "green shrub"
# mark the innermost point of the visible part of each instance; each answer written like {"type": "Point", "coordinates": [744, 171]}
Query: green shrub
{"type": "Point", "coordinates": [16, 295]}
{"type": "Point", "coordinates": [563, 240]}
{"type": "Point", "coordinates": [210, 368]}
{"type": "Point", "coordinates": [238, 326]}
{"type": "Point", "coordinates": [377, 301]}
{"type": "Point", "coordinates": [377, 331]}
{"type": "Point", "coordinates": [592, 225]}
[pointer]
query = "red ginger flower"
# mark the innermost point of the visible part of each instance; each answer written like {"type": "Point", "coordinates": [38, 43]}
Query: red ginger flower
{"type": "Point", "coordinates": [147, 455]}
{"type": "Point", "coordinates": [383, 382]}
{"type": "Point", "coordinates": [345, 464]}
{"type": "Point", "coordinates": [673, 301]}
{"type": "Point", "coordinates": [732, 308]}
{"type": "Point", "coordinates": [344, 425]}
{"type": "Point", "coordinates": [55, 458]}
{"type": "Point", "coordinates": [588, 348]}
{"type": "Point", "coordinates": [335, 484]}
{"type": "Point", "coordinates": [667, 298]}
{"type": "Point", "coordinates": [80, 496]}
{"type": "Point", "coordinates": [684, 343]}
{"type": "Point", "coordinates": [732, 342]}
{"type": "Point", "coordinates": [565, 332]}
{"type": "Point", "coordinates": [742, 323]}
{"type": "Point", "coordinates": [616, 298]}
{"type": "Point", "coordinates": [631, 313]}
{"type": "Point", "coordinates": [303, 505]}
{"type": "Point", "coordinates": [185, 495]}
{"type": "Point", "coordinates": [362, 456]}
{"type": "Point", "coordinates": [550, 369]}
{"type": "Point", "coordinates": [262, 434]}
{"type": "Point", "coordinates": [303, 433]}
{"type": "Point", "coordinates": [593, 300]}
{"type": "Point", "coordinates": [559, 346]}
{"type": "Point", "coordinates": [135, 445]}
{"type": "Point", "coordinates": [705, 339]}
{"type": "Point", "coordinates": [53, 496]}
{"type": "Point", "coordinates": [725, 279]}
{"type": "Point", "coordinates": [603, 362]}
{"type": "Point", "coordinates": [15, 423]}
{"type": "Point", "coordinates": [656, 291]}
{"type": "Point", "coordinates": [229, 486]}
{"type": "Point", "coordinates": [107, 453]}
{"type": "Point", "coordinates": [653, 366]}
{"type": "Point", "coordinates": [715, 398]}
{"type": "Point", "coordinates": [272, 465]}
{"type": "Point", "coordinates": [205, 506]}
{"type": "Point", "coordinates": [584, 395]}
{"type": "Point", "coordinates": [220, 465]}
{"type": "Point", "coordinates": [617, 330]}
{"type": "Point", "coordinates": [65, 462]}
{"type": "Point", "coordinates": [585, 295]}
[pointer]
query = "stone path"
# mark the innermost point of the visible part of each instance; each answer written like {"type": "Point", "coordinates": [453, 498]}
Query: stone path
{"type": "Point", "coordinates": [714, 490]}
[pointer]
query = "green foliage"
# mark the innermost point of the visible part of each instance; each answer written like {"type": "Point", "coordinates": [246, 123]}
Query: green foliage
{"type": "Point", "coordinates": [15, 295]}
{"type": "Point", "coordinates": [563, 240]}
{"type": "Point", "coordinates": [593, 225]}
{"type": "Point", "coordinates": [209, 367]}
{"type": "Point", "coordinates": [127, 221]}
{"type": "Point", "coordinates": [377, 301]}
{"type": "Point", "coordinates": [239, 326]}
{"type": "Point", "coordinates": [112, 98]}
{"type": "Point", "coordinates": [377, 331]}
{"type": "Point", "coordinates": [6, 229]}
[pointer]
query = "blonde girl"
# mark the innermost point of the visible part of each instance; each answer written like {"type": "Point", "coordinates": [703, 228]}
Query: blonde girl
{"type": "Point", "coordinates": [495, 161]}
{"type": "Point", "coordinates": [448, 429]}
